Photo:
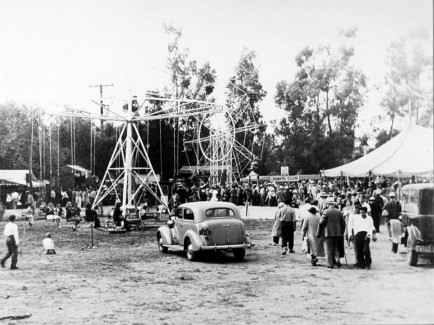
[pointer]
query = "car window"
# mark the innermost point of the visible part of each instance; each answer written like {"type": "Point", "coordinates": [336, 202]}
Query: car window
{"type": "Point", "coordinates": [220, 212]}
{"type": "Point", "coordinates": [179, 213]}
{"type": "Point", "coordinates": [427, 202]}
{"type": "Point", "coordinates": [188, 214]}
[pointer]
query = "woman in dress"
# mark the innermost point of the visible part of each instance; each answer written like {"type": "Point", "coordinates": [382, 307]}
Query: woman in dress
{"type": "Point", "coordinates": [310, 226]}
{"type": "Point", "coordinates": [271, 198]}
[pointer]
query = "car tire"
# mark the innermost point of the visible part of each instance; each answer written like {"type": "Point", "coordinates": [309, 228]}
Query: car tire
{"type": "Point", "coordinates": [191, 254]}
{"type": "Point", "coordinates": [161, 248]}
{"type": "Point", "coordinates": [412, 255]}
{"type": "Point", "coordinates": [239, 253]}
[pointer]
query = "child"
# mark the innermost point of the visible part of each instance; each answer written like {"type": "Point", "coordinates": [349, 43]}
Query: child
{"type": "Point", "coordinates": [48, 244]}
{"type": "Point", "coordinates": [58, 214]}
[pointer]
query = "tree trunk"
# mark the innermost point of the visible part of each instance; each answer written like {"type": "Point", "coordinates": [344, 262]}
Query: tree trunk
{"type": "Point", "coordinates": [391, 126]}
{"type": "Point", "coordinates": [328, 114]}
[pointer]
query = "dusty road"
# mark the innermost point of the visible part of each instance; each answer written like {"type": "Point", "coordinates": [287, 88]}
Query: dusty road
{"type": "Point", "coordinates": [125, 280]}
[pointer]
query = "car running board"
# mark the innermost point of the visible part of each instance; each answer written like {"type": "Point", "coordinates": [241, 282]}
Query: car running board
{"type": "Point", "coordinates": [175, 247]}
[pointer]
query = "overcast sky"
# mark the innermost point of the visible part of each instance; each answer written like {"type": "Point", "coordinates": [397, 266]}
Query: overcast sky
{"type": "Point", "coordinates": [51, 51]}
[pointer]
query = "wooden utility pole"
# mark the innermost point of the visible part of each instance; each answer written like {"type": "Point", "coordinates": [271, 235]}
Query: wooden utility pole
{"type": "Point", "coordinates": [31, 153]}
{"type": "Point", "coordinates": [101, 101]}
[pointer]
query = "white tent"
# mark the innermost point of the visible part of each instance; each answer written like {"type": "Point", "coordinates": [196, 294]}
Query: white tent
{"type": "Point", "coordinates": [17, 177]}
{"type": "Point", "coordinates": [78, 169]}
{"type": "Point", "coordinates": [409, 153]}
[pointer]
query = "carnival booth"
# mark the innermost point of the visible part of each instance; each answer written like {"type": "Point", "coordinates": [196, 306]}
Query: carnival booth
{"type": "Point", "coordinates": [13, 184]}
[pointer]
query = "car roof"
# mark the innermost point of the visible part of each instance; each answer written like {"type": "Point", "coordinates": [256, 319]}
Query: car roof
{"type": "Point", "coordinates": [202, 206]}
{"type": "Point", "coordinates": [208, 205]}
{"type": "Point", "coordinates": [418, 186]}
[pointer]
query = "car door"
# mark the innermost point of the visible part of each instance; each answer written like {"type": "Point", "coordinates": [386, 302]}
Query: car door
{"type": "Point", "coordinates": [189, 223]}
{"type": "Point", "coordinates": [179, 226]}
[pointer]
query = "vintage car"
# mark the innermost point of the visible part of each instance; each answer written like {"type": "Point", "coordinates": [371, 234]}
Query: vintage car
{"type": "Point", "coordinates": [416, 224]}
{"type": "Point", "coordinates": [204, 226]}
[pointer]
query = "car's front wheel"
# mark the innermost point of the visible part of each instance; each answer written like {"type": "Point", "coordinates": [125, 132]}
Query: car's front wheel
{"type": "Point", "coordinates": [239, 253]}
{"type": "Point", "coordinates": [161, 247]}
{"type": "Point", "coordinates": [411, 253]}
{"type": "Point", "coordinates": [191, 254]}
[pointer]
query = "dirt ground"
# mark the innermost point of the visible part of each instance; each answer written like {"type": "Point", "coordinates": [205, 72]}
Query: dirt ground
{"type": "Point", "coordinates": [124, 279]}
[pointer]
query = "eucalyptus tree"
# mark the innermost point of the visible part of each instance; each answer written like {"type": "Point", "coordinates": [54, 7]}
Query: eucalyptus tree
{"type": "Point", "coordinates": [188, 80]}
{"type": "Point", "coordinates": [321, 104]}
{"type": "Point", "coordinates": [408, 81]}
{"type": "Point", "coordinates": [15, 143]}
{"type": "Point", "coordinates": [244, 96]}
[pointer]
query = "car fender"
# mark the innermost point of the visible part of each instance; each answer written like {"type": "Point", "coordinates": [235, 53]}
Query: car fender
{"type": "Point", "coordinates": [413, 235]}
{"type": "Point", "coordinates": [166, 235]}
{"type": "Point", "coordinates": [396, 230]}
{"type": "Point", "coordinates": [195, 240]}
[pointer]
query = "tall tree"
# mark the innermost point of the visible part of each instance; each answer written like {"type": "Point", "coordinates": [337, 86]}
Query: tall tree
{"type": "Point", "coordinates": [244, 95]}
{"type": "Point", "coordinates": [15, 136]}
{"type": "Point", "coordinates": [321, 105]}
{"type": "Point", "coordinates": [408, 81]}
{"type": "Point", "coordinates": [188, 80]}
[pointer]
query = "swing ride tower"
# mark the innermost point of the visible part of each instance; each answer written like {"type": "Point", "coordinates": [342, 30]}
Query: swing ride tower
{"type": "Point", "coordinates": [129, 167]}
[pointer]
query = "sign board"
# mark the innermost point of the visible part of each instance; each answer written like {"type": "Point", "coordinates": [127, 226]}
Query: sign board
{"type": "Point", "coordinates": [293, 178]}
{"type": "Point", "coordinates": [284, 170]}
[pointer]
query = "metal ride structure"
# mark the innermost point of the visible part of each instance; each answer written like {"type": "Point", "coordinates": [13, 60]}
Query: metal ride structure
{"type": "Point", "coordinates": [122, 170]}
{"type": "Point", "coordinates": [220, 140]}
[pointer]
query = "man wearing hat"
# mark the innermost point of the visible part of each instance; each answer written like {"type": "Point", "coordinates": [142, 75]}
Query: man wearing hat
{"type": "Point", "coordinates": [280, 194]}
{"type": "Point", "coordinates": [288, 222]}
{"type": "Point", "coordinates": [12, 242]}
{"type": "Point", "coordinates": [375, 212]}
{"type": "Point", "coordinates": [321, 200]}
{"type": "Point", "coordinates": [363, 202]}
{"type": "Point", "coordinates": [313, 190]}
{"type": "Point", "coordinates": [332, 227]}
{"type": "Point", "coordinates": [363, 230]}
{"type": "Point", "coordinates": [392, 210]}
{"type": "Point", "coordinates": [288, 195]}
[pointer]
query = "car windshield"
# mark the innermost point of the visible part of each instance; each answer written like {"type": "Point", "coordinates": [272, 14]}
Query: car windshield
{"type": "Point", "coordinates": [220, 212]}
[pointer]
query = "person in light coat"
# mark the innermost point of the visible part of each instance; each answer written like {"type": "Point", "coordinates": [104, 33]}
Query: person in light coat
{"type": "Point", "coordinates": [276, 231]}
{"type": "Point", "coordinates": [309, 228]}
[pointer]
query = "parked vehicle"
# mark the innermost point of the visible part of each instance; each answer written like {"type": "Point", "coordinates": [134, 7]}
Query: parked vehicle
{"type": "Point", "coordinates": [416, 222]}
{"type": "Point", "coordinates": [204, 226]}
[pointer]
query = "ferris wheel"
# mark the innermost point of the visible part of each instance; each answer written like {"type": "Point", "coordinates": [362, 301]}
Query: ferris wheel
{"type": "Point", "coordinates": [221, 140]}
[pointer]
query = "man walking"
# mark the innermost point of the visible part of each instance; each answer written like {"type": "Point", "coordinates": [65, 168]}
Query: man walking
{"type": "Point", "coordinates": [288, 225]}
{"type": "Point", "coordinates": [375, 212]}
{"type": "Point", "coordinates": [12, 242]}
{"type": "Point", "coordinates": [363, 229]}
{"type": "Point", "coordinates": [392, 210]}
{"type": "Point", "coordinates": [332, 228]}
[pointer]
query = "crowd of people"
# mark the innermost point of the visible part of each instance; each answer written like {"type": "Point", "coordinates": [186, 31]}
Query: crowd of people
{"type": "Point", "coordinates": [271, 193]}
{"type": "Point", "coordinates": [331, 214]}
{"type": "Point", "coordinates": [331, 218]}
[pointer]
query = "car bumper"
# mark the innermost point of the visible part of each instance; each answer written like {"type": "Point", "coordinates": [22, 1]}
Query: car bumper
{"type": "Point", "coordinates": [224, 247]}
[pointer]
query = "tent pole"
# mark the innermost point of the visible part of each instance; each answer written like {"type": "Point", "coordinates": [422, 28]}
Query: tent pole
{"type": "Point", "coordinates": [399, 186]}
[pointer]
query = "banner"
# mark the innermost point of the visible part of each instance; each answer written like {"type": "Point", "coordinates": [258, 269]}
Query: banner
{"type": "Point", "coordinates": [294, 178]}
